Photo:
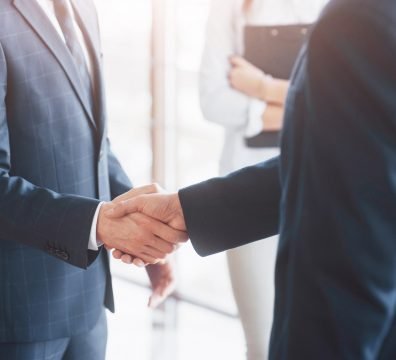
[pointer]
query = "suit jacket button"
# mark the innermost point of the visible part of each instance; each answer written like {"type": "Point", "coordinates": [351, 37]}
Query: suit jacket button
{"type": "Point", "coordinates": [51, 250]}
{"type": "Point", "coordinates": [65, 256]}
{"type": "Point", "coordinates": [62, 255]}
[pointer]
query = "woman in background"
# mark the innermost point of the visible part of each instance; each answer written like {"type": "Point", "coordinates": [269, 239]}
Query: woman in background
{"type": "Point", "coordinates": [244, 100]}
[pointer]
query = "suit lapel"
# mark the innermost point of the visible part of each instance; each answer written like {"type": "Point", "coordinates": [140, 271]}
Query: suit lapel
{"type": "Point", "coordinates": [38, 20]}
{"type": "Point", "coordinates": [84, 12]}
{"type": "Point", "coordinates": [86, 17]}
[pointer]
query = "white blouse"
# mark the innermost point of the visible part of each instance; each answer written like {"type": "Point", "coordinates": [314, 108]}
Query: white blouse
{"type": "Point", "coordinates": [219, 102]}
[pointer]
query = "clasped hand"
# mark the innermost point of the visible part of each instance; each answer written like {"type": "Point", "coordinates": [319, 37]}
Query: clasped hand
{"type": "Point", "coordinates": [144, 225]}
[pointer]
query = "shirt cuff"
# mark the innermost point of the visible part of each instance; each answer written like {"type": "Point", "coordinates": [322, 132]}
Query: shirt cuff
{"type": "Point", "coordinates": [255, 114]}
{"type": "Point", "coordinates": [94, 243]}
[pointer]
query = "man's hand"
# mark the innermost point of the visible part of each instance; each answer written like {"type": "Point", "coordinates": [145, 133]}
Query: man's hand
{"type": "Point", "coordinates": [151, 201]}
{"type": "Point", "coordinates": [137, 234]}
{"type": "Point", "coordinates": [163, 207]}
{"type": "Point", "coordinates": [163, 281]}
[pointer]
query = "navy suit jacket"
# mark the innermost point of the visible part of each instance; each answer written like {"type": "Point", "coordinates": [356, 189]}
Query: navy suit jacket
{"type": "Point", "coordinates": [331, 194]}
{"type": "Point", "coordinates": [55, 167]}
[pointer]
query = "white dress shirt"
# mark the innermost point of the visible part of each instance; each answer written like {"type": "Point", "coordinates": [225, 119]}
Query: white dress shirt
{"type": "Point", "coordinates": [48, 7]}
{"type": "Point", "coordinates": [221, 104]}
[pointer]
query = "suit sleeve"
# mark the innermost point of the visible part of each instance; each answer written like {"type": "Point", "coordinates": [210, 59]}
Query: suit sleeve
{"type": "Point", "coordinates": [348, 228]}
{"type": "Point", "coordinates": [228, 212]}
{"type": "Point", "coordinates": [34, 216]}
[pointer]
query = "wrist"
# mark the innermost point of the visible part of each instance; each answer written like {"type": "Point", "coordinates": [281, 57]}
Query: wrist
{"type": "Point", "coordinates": [265, 83]}
{"type": "Point", "coordinates": [178, 215]}
{"type": "Point", "coordinates": [175, 201]}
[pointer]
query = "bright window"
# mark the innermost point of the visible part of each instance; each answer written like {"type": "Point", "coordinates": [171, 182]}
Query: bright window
{"type": "Point", "coordinates": [193, 332]}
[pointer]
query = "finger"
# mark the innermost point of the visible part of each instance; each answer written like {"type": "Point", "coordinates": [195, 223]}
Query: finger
{"type": "Point", "coordinates": [233, 78]}
{"type": "Point", "coordinates": [155, 300]}
{"type": "Point", "coordinates": [147, 189]}
{"type": "Point", "coordinates": [154, 252]}
{"type": "Point", "coordinates": [117, 254]}
{"type": "Point", "coordinates": [161, 236]}
{"type": "Point", "coordinates": [124, 257]}
{"type": "Point", "coordinates": [157, 297]}
{"type": "Point", "coordinates": [139, 262]}
{"type": "Point", "coordinates": [148, 259]}
{"type": "Point", "coordinates": [123, 208]}
{"type": "Point", "coordinates": [147, 241]}
{"type": "Point", "coordinates": [162, 246]}
{"type": "Point", "coordinates": [238, 61]}
{"type": "Point", "coordinates": [163, 261]}
{"type": "Point", "coordinates": [168, 234]}
{"type": "Point", "coordinates": [127, 259]}
{"type": "Point", "coordinates": [161, 292]}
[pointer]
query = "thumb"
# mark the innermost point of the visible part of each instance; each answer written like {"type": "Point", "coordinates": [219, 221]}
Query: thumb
{"type": "Point", "coordinates": [157, 297]}
{"type": "Point", "coordinates": [238, 61]}
{"type": "Point", "coordinates": [123, 208]}
{"type": "Point", "coordinates": [147, 189]}
{"type": "Point", "coordinates": [155, 300]}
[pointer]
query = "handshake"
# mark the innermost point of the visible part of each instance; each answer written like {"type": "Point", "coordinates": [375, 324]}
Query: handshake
{"type": "Point", "coordinates": [143, 226]}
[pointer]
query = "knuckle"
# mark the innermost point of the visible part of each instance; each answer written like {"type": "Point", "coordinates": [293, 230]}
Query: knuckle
{"type": "Point", "coordinates": [123, 250]}
{"type": "Point", "coordinates": [142, 221]}
{"type": "Point", "coordinates": [141, 238]}
{"type": "Point", "coordinates": [147, 241]}
{"type": "Point", "coordinates": [145, 222]}
{"type": "Point", "coordinates": [153, 188]}
{"type": "Point", "coordinates": [162, 256]}
{"type": "Point", "coordinates": [150, 260]}
{"type": "Point", "coordinates": [153, 242]}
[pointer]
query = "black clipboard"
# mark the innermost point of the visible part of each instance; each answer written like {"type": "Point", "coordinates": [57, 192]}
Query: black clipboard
{"type": "Point", "coordinates": [274, 50]}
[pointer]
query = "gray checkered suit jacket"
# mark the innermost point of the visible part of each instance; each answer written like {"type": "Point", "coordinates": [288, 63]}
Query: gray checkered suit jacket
{"type": "Point", "coordinates": [55, 166]}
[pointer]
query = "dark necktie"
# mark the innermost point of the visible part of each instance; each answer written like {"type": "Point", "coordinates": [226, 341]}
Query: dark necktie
{"type": "Point", "coordinates": [65, 19]}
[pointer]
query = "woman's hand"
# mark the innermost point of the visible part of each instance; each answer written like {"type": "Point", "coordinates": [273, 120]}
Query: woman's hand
{"type": "Point", "coordinates": [247, 78]}
{"type": "Point", "coordinates": [251, 81]}
{"type": "Point", "coordinates": [163, 281]}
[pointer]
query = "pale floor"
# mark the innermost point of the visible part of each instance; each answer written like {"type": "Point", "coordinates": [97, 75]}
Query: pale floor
{"type": "Point", "coordinates": [199, 335]}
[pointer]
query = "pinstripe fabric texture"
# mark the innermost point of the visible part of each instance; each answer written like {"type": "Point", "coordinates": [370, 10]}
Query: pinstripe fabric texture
{"type": "Point", "coordinates": [86, 346]}
{"type": "Point", "coordinates": [55, 166]}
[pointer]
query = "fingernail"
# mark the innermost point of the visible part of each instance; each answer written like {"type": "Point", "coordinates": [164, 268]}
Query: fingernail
{"type": "Point", "coordinates": [138, 263]}
{"type": "Point", "coordinates": [153, 302]}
